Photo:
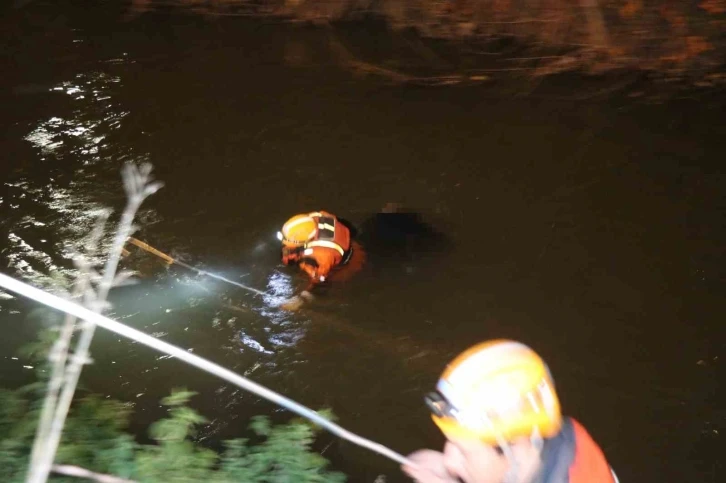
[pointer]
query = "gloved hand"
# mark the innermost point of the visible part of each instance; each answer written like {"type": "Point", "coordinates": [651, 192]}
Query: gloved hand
{"type": "Point", "coordinates": [293, 304]}
{"type": "Point", "coordinates": [290, 255]}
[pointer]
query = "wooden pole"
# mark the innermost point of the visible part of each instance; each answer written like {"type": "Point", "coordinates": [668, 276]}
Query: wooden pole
{"type": "Point", "coordinates": [151, 249]}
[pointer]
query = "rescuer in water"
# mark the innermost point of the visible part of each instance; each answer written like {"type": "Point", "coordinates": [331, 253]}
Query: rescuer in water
{"type": "Point", "coordinates": [328, 248]}
{"type": "Point", "coordinates": [497, 407]}
{"type": "Point", "coordinates": [320, 244]}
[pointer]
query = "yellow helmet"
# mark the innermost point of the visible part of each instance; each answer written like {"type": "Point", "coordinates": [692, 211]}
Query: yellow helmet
{"type": "Point", "coordinates": [496, 392]}
{"type": "Point", "coordinates": [298, 230]}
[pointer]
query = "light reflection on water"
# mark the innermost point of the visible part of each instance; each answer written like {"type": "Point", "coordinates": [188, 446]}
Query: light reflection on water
{"type": "Point", "coordinates": [91, 92]}
{"type": "Point", "coordinates": [62, 210]}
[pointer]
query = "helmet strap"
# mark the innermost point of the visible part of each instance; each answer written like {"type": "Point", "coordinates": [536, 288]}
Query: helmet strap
{"type": "Point", "coordinates": [513, 472]}
{"type": "Point", "coordinates": [536, 439]}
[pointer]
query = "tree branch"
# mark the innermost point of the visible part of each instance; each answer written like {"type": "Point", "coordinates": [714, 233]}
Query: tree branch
{"type": "Point", "coordinates": [138, 185]}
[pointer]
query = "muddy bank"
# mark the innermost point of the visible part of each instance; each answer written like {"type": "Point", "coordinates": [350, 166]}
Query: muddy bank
{"type": "Point", "coordinates": [682, 42]}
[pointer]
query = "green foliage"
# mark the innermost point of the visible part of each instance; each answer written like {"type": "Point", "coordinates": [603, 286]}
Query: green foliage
{"type": "Point", "coordinates": [38, 350]}
{"type": "Point", "coordinates": [17, 435]}
{"type": "Point", "coordinates": [279, 459]}
{"type": "Point", "coordinates": [175, 457]}
{"type": "Point", "coordinates": [94, 438]}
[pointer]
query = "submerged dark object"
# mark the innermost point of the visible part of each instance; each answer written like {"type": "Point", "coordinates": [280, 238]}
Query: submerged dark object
{"type": "Point", "coordinates": [395, 232]}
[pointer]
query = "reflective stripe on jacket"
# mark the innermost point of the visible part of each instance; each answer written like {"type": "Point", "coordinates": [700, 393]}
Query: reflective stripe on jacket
{"type": "Point", "coordinates": [330, 233]}
{"type": "Point", "coordinates": [328, 248]}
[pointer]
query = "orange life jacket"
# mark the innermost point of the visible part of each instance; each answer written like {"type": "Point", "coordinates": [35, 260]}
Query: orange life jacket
{"type": "Point", "coordinates": [573, 457]}
{"type": "Point", "coordinates": [589, 464]}
{"type": "Point", "coordinates": [329, 247]}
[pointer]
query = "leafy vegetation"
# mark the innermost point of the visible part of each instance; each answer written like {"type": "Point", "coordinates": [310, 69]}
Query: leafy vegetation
{"type": "Point", "coordinates": [94, 438]}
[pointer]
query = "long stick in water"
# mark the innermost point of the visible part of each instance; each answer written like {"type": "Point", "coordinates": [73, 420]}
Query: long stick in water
{"type": "Point", "coordinates": [194, 360]}
{"type": "Point", "coordinates": [169, 260]}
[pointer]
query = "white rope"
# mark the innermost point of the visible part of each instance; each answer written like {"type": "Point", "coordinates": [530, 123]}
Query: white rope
{"type": "Point", "coordinates": [194, 360]}
{"type": "Point", "coordinates": [219, 277]}
{"type": "Point", "coordinates": [79, 472]}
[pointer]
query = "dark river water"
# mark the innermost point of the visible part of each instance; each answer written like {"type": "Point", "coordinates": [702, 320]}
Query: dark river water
{"type": "Point", "coordinates": [591, 229]}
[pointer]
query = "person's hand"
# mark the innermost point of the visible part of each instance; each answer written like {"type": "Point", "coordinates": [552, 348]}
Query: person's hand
{"type": "Point", "coordinates": [429, 467]}
{"type": "Point", "coordinates": [293, 303]}
{"type": "Point", "coordinates": [290, 255]}
{"type": "Point", "coordinates": [287, 256]}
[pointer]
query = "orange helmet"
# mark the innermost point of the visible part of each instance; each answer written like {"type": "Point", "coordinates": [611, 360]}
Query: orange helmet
{"type": "Point", "coordinates": [298, 230]}
{"type": "Point", "coordinates": [496, 392]}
